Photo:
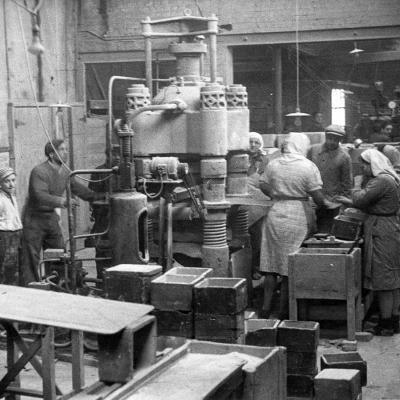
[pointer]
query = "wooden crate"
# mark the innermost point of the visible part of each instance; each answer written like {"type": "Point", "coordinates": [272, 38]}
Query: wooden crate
{"type": "Point", "coordinates": [327, 273]}
{"type": "Point", "coordinates": [262, 375]}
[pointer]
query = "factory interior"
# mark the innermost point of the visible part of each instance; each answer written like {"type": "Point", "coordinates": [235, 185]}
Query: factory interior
{"type": "Point", "coordinates": [200, 199]}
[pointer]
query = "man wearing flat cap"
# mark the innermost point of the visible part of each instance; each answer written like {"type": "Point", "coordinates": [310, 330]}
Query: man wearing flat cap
{"type": "Point", "coordinates": [334, 165]}
{"type": "Point", "coordinates": [10, 229]}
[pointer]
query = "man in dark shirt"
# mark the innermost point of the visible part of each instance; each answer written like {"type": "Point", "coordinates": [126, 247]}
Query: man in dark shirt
{"type": "Point", "coordinates": [41, 223]}
{"type": "Point", "coordinates": [315, 124]}
{"type": "Point", "coordinates": [335, 167]}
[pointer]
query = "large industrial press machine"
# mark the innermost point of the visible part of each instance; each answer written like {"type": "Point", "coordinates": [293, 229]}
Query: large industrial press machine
{"type": "Point", "coordinates": [184, 161]}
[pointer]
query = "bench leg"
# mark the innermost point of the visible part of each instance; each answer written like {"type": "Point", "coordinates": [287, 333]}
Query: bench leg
{"type": "Point", "coordinates": [48, 368]}
{"type": "Point", "coordinates": [12, 358]}
{"type": "Point", "coordinates": [19, 365]}
{"type": "Point", "coordinates": [359, 313]}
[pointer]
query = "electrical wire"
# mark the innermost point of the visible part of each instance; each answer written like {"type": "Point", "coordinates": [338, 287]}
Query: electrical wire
{"type": "Point", "coordinates": [297, 58]}
{"type": "Point", "coordinates": [153, 195]}
{"type": "Point", "coordinates": [24, 7]}
{"type": "Point", "coordinates": [30, 78]}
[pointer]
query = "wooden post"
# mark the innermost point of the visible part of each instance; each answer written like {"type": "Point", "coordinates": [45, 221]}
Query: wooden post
{"type": "Point", "coordinates": [12, 357]}
{"type": "Point", "coordinates": [49, 379]}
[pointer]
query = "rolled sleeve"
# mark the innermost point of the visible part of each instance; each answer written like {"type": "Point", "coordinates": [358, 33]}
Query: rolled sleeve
{"type": "Point", "coordinates": [313, 179]}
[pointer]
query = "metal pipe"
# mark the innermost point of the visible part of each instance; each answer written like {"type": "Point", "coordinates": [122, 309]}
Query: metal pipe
{"type": "Point", "coordinates": [71, 221]}
{"type": "Point", "coordinates": [147, 33]}
{"type": "Point", "coordinates": [169, 236]}
{"type": "Point", "coordinates": [149, 67]}
{"type": "Point", "coordinates": [87, 235]}
{"type": "Point", "coordinates": [213, 29]}
{"type": "Point", "coordinates": [161, 227]}
{"type": "Point", "coordinates": [156, 107]}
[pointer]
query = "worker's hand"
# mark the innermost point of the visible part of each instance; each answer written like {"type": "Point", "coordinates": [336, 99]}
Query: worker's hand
{"type": "Point", "coordinates": [330, 205]}
{"type": "Point", "coordinates": [73, 202]}
{"type": "Point", "coordinates": [344, 200]}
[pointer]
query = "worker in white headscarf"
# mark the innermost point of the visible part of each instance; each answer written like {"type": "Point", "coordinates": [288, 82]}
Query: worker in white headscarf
{"type": "Point", "coordinates": [380, 200]}
{"type": "Point", "coordinates": [289, 180]}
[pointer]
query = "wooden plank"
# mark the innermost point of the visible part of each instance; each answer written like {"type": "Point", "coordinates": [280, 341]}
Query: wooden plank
{"type": "Point", "coordinates": [11, 390]}
{"type": "Point", "coordinates": [200, 377]}
{"type": "Point", "coordinates": [68, 311]}
{"type": "Point", "coordinates": [49, 372]}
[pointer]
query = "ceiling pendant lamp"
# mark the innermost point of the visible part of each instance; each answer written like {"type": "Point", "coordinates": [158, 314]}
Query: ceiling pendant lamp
{"type": "Point", "coordinates": [356, 51]}
{"type": "Point", "coordinates": [298, 112]}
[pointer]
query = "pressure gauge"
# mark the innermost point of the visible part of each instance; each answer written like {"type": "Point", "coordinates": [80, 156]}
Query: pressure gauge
{"type": "Point", "coordinates": [392, 104]}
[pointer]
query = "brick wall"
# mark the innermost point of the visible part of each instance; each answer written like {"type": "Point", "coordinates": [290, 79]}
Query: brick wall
{"type": "Point", "coordinates": [253, 16]}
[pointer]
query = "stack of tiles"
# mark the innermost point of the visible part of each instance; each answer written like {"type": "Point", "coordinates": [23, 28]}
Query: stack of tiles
{"type": "Point", "coordinates": [172, 298]}
{"type": "Point", "coordinates": [130, 282]}
{"type": "Point", "coordinates": [301, 341]}
{"type": "Point", "coordinates": [219, 309]}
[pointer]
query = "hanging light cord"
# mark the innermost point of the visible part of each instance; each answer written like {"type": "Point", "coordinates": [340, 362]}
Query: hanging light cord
{"type": "Point", "coordinates": [297, 59]}
{"type": "Point", "coordinates": [30, 79]}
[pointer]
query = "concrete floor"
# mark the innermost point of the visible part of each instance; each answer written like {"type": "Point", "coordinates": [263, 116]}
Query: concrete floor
{"type": "Point", "coordinates": [31, 380]}
{"type": "Point", "coordinates": [381, 353]}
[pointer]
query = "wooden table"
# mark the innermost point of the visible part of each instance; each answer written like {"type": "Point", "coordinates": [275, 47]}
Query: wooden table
{"type": "Point", "coordinates": [56, 310]}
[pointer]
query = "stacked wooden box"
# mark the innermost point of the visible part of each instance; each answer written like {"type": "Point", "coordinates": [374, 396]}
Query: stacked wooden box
{"type": "Point", "coordinates": [338, 384]}
{"type": "Point", "coordinates": [130, 282]}
{"type": "Point", "coordinates": [219, 309]}
{"type": "Point", "coordinates": [301, 341]}
{"type": "Point", "coordinates": [262, 332]}
{"type": "Point", "coordinates": [172, 298]}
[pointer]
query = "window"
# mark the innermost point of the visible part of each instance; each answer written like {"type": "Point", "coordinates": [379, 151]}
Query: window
{"type": "Point", "coordinates": [338, 107]}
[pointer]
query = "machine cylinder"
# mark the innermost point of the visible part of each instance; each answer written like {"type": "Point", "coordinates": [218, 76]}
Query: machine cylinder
{"type": "Point", "coordinates": [138, 96]}
{"type": "Point", "coordinates": [188, 59]}
{"type": "Point", "coordinates": [215, 250]}
{"type": "Point", "coordinates": [236, 183]}
{"type": "Point", "coordinates": [214, 140]}
{"type": "Point", "coordinates": [128, 228]}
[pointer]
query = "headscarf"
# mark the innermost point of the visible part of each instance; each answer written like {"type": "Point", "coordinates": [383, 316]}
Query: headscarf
{"type": "Point", "coordinates": [295, 146]}
{"type": "Point", "coordinates": [380, 164]}
{"type": "Point", "coordinates": [5, 173]}
{"type": "Point", "coordinates": [258, 137]}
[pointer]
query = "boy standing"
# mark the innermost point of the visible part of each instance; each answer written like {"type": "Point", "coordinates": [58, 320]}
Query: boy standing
{"type": "Point", "coordinates": [10, 229]}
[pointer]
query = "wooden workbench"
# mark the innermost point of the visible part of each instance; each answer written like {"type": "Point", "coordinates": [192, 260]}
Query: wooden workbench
{"type": "Point", "coordinates": [56, 310]}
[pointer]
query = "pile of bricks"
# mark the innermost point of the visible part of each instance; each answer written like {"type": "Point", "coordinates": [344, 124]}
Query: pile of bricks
{"type": "Point", "coordinates": [172, 298]}
{"type": "Point", "coordinates": [219, 309]}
